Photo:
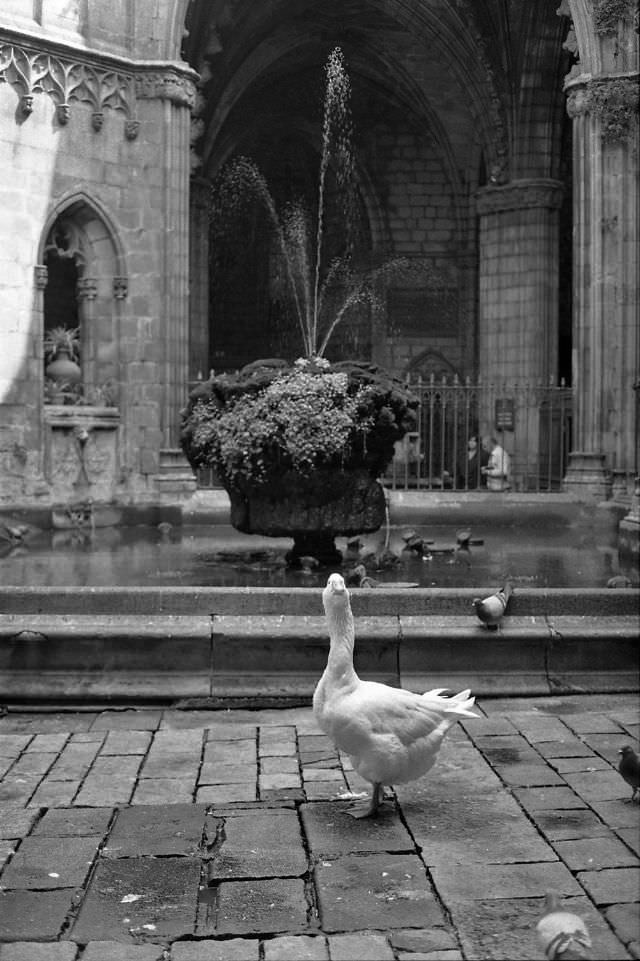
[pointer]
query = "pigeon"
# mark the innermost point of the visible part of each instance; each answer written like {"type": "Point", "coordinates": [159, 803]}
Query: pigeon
{"type": "Point", "coordinates": [15, 533]}
{"type": "Point", "coordinates": [354, 546]}
{"type": "Point", "coordinates": [358, 577]}
{"type": "Point", "coordinates": [629, 768]}
{"type": "Point", "coordinates": [619, 580]}
{"type": "Point", "coordinates": [491, 609]}
{"type": "Point", "coordinates": [413, 542]}
{"type": "Point", "coordinates": [308, 564]}
{"type": "Point", "coordinates": [561, 934]}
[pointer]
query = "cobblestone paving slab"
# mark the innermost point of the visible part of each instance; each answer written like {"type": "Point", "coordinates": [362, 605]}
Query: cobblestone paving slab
{"type": "Point", "coordinates": [258, 907]}
{"type": "Point", "coordinates": [231, 949]}
{"type": "Point", "coordinates": [46, 862]}
{"type": "Point", "coordinates": [502, 881]}
{"type": "Point", "coordinates": [375, 891]}
{"type": "Point", "coordinates": [301, 948]}
{"type": "Point", "coordinates": [331, 831]}
{"type": "Point", "coordinates": [502, 929]}
{"type": "Point", "coordinates": [33, 951]}
{"type": "Point", "coordinates": [26, 914]}
{"type": "Point", "coordinates": [493, 833]}
{"type": "Point", "coordinates": [151, 835]}
{"type": "Point", "coordinates": [259, 844]}
{"type": "Point", "coordinates": [16, 822]}
{"type": "Point", "coordinates": [570, 825]}
{"type": "Point", "coordinates": [136, 898]}
{"type": "Point", "coordinates": [114, 951]}
{"type": "Point", "coordinates": [174, 829]}
{"type": "Point", "coordinates": [353, 947]}
{"type": "Point", "coordinates": [73, 822]}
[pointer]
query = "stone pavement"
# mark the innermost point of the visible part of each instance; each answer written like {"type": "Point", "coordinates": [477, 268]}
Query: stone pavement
{"type": "Point", "coordinates": [148, 834]}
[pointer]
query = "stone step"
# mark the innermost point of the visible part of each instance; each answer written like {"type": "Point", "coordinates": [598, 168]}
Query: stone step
{"type": "Point", "coordinates": [166, 657]}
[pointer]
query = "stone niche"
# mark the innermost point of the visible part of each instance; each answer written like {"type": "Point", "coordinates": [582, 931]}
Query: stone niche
{"type": "Point", "coordinates": [81, 453]}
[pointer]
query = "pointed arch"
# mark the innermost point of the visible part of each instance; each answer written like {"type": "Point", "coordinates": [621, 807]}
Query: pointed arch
{"type": "Point", "coordinates": [81, 207]}
{"type": "Point", "coordinates": [81, 279]}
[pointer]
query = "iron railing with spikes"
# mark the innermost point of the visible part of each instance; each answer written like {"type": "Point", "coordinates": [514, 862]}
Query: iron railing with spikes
{"type": "Point", "coordinates": [532, 422]}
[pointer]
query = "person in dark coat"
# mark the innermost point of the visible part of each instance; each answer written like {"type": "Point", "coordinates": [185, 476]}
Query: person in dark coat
{"type": "Point", "coordinates": [470, 474]}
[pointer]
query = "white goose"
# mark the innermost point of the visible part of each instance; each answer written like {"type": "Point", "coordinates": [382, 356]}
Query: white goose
{"type": "Point", "coordinates": [391, 735]}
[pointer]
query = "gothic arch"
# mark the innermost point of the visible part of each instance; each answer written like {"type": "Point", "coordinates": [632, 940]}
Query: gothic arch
{"type": "Point", "coordinates": [78, 230]}
{"type": "Point", "coordinates": [432, 363]}
{"type": "Point", "coordinates": [88, 213]}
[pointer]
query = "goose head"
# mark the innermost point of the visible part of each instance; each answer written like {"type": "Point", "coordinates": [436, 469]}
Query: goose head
{"type": "Point", "coordinates": [336, 590]}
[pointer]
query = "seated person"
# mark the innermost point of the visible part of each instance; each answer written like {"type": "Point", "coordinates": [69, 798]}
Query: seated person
{"type": "Point", "coordinates": [498, 467]}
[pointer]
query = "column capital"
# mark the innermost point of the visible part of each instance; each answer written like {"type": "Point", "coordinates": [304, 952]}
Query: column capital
{"type": "Point", "coordinates": [520, 195]}
{"type": "Point", "coordinates": [87, 288]}
{"type": "Point", "coordinates": [612, 98]}
{"type": "Point", "coordinates": [120, 288]}
{"type": "Point", "coordinates": [168, 83]}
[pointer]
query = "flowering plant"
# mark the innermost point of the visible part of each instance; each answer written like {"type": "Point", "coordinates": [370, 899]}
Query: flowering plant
{"type": "Point", "coordinates": [61, 338]}
{"type": "Point", "coordinates": [273, 418]}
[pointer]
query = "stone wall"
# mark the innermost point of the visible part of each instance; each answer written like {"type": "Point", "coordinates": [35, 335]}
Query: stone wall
{"type": "Point", "coordinates": [92, 140]}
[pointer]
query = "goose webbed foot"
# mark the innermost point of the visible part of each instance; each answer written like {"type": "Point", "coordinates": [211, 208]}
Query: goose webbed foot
{"type": "Point", "coordinates": [371, 807]}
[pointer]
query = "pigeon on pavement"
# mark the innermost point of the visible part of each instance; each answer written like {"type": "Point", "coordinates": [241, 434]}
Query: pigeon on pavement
{"type": "Point", "coordinates": [490, 609]}
{"type": "Point", "coordinates": [629, 768]}
{"type": "Point", "coordinates": [561, 934]}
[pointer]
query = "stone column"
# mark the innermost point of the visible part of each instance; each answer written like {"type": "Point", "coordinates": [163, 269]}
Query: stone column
{"type": "Point", "coordinates": [86, 293]}
{"type": "Point", "coordinates": [174, 86]}
{"type": "Point", "coordinates": [518, 308]}
{"type": "Point", "coordinates": [199, 269]}
{"type": "Point", "coordinates": [605, 325]}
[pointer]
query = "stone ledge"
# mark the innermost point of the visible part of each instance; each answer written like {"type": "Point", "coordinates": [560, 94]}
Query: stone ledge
{"type": "Point", "coordinates": [84, 656]}
{"type": "Point", "coordinates": [243, 601]}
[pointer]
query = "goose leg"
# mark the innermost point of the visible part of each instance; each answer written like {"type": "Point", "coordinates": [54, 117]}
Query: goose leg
{"type": "Point", "coordinates": [371, 808]}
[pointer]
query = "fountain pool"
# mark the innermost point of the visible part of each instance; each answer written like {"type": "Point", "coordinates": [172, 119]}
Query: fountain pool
{"type": "Point", "coordinates": [218, 556]}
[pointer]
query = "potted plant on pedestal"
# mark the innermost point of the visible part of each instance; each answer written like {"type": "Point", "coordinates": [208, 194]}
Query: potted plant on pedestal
{"type": "Point", "coordinates": [299, 448]}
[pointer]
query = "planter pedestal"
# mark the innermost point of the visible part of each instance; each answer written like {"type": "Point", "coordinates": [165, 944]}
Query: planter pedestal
{"type": "Point", "coordinates": [311, 510]}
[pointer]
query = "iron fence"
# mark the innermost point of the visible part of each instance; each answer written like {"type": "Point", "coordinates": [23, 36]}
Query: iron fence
{"type": "Point", "coordinates": [532, 422]}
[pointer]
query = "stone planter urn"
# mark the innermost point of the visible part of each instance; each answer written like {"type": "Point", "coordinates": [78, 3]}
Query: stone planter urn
{"type": "Point", "coordinates": [300, 448]}
{"type": "Point", "coordinates": [63, 368]}
{"type": "Point", "coordinates": [313, 510]}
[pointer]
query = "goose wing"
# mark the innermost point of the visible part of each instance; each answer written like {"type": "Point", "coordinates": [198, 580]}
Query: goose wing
{"type": "Point", "coordinates": [383, 722]}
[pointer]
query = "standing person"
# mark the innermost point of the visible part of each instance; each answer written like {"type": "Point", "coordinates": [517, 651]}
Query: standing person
{"type": "Point", "coordinates": [498, 467]}
{"type": "Point", "coordinates": [469, 472]}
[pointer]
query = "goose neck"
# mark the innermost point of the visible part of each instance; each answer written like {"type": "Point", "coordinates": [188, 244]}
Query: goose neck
{"type": "Point", "coordinates": [342, 638]}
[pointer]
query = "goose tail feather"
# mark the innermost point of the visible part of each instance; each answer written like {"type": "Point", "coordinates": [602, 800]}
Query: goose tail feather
{"type": "Point", "coordinates": [460, 704]}
{"type": "Point", "coordinates": [463, 708]}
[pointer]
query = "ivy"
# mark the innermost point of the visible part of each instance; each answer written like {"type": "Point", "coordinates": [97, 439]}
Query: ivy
{"type": "Point", "coordinates": [253, 426]}
{"type": "Point", "coordinates": [615, 102]}
{"type": "Point", "coordinates": [607, 14]}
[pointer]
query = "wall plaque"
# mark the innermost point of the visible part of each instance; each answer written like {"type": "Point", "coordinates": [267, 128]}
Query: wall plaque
{"type": "Point", "coordinates": [505, 413]}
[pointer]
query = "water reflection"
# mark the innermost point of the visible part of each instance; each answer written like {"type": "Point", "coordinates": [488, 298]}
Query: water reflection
{"type": "Point", "coordinates": [220, 556]}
